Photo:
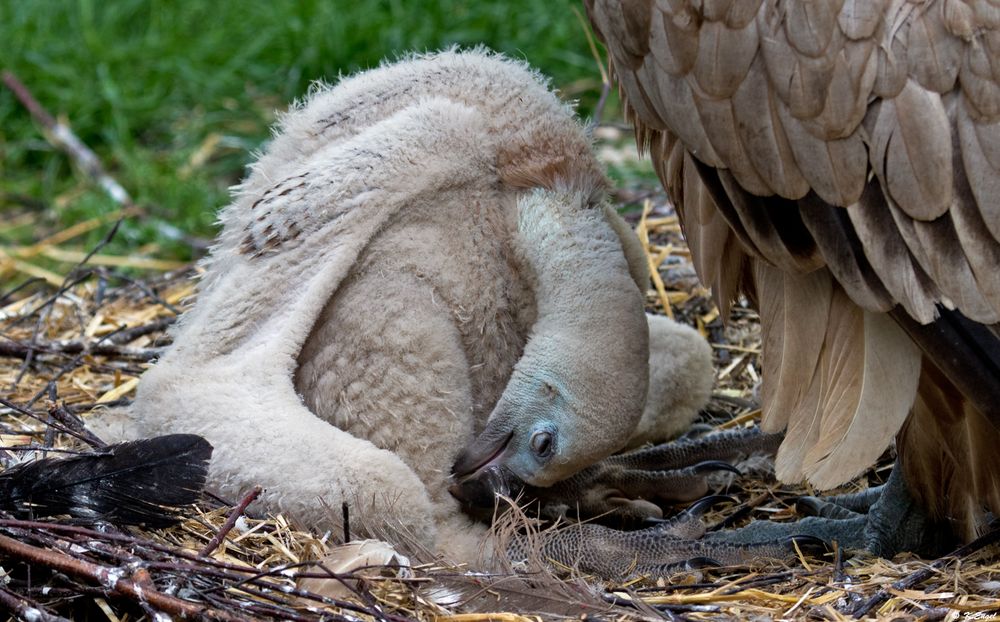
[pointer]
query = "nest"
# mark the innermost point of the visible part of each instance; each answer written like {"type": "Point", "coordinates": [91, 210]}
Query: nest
{"type": "Point", "coordinates": [72, 346]}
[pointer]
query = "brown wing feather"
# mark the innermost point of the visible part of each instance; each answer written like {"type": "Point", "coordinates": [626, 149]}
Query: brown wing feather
{"type": "Point", "coordinates": [762, 134]}
{"type": "Point", "coordinates": [951, 448]}
{"type": "Point", "coordinates": [887, 108]}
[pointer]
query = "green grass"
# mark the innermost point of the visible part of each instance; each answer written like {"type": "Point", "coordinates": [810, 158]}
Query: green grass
{"type": "Point", "coordinates": [148, 83]}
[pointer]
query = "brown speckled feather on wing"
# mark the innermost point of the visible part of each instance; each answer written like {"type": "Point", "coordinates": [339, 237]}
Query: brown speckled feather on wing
{"type": "Point", "coordinates": [834, 160]}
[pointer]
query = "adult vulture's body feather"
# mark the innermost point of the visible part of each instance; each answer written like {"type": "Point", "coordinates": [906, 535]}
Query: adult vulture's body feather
{"type": "Point", "coordinates": [834, 162]}
{"type": "Point", "coordinates": [134, 483]}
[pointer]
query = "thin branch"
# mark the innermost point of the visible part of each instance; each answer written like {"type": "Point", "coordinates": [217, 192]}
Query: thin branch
{"type": "Point", "coordinates": [65, 369]}
{"type": "Point", "coordinates": [19, 349]}
{"type": "Point", "coordinates": [61, 414]}
{"type": "Point", "coordinates": [605, 75]}
{"type": "Point", "coordinates": [111, 579]}
{"type": "Point", "coordinates": [990, 537]}
{"type": "Point", "coordinates": [62, 137]}
{"type": "Point", "coordinates": [58, 426]}
{"type": "Point", "coordinates": [23, 609]}
{"type": "Point", "coordinates": [134, 332]}
{"type": "Point", "coordinates": [4, 297]}
{"type": "Point", "coordinates": [230, 521]}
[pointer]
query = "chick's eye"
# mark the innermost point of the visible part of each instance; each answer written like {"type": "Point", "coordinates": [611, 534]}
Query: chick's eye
{"type": "Point", "coordinates": [549, 390]}
{"type": "Point", "coordinates": [541, 443]}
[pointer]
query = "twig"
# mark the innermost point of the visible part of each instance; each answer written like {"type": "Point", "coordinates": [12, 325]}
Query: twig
{"type": "Point", "coordinates": [605, 77]}
{"type": "Point", "coordinates": [51, 299]}
{"type": "Point", "coordinates": [23, 609]}
{"type": "Point", "coordinates": [134, 332]}
{"type": "Point", "coordinates": [19, 349]}
{"type": "Point", "coordinates": [65, 369]}
{"type": "Point", "coordinates": [110, 578]}
{"type": "Point", "coordinates": [61, 136]}
{"type": "Point", "coordinates": [4, 297]}
{"type": "Point", "coordinates": [30, 354]}
{"type": "Point", "coordinates": [227, 576]}
{"type": "Point", "coordinates": [599, 106]}
{"type": "Point", "coordinates": [990, 537]}
{"type": "Point", "coordinates": [73, 278]}
{"type": "Point", "coordinates": [61, 414]}
{"type": "Point", "coordinates": [86, 407]}
{"type": "Point", "coordinates": [142, 287]}
{"type": "Point", "coordinates": [345, 511]}
{"type": "Point", "coordinates": [58, 426]}
{"type": "Point", "coordinates": [230, 521]}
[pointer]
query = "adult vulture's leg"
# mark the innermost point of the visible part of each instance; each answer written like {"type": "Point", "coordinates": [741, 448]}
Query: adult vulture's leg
{"type": "Point", "coordinates": [893, 523]}
{"type": "Point", "coordinates": [631, 487]}
{"type": "Point", "coordinates": [654, 551]}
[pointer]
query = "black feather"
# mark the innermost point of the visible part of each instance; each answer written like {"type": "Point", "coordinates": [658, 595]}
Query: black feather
{"type": "Point", "coordinates": [966, 352]}
{"type": "Point", "coordinates": [134, 483]}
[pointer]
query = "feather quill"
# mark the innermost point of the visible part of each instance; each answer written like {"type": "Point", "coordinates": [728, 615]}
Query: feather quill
{"type": "Point", "coordinates": [134, 483]}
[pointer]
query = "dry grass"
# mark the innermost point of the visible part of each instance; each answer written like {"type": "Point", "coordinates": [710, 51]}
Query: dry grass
{"type": "Point", "coordinates": [86, 353]}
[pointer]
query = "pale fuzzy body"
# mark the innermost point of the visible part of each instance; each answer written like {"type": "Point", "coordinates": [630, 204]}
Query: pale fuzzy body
{"type": "Point", "coordinates": [375, 285]}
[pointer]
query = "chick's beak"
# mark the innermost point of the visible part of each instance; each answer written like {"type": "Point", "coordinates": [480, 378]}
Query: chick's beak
{"type": "Point", "coordinates": [487, 450]}
{"type": "Point", "coordinates": [478, 492]}
{"type": "Point", "coordinates": [480, 474]}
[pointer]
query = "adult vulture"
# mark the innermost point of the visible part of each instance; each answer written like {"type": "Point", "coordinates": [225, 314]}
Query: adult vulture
{"type": "Point", "coordinates": [838, 163]}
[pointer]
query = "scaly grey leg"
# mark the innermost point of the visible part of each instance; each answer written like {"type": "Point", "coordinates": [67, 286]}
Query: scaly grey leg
{"type": "Point", "coordinates": [893, 524]}
{"type": "Point", "coordinates": [659, 550]}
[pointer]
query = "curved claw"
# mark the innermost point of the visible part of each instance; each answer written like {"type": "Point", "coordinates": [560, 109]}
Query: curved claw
{"type": "Point", "coordinates": [808, 506]}
{"type": "Point", "coordinates": [702, 506]}
{"type": "Point", "coordinates": [809, 544]}
{"type": "Point", "coordinates": [708, 466]}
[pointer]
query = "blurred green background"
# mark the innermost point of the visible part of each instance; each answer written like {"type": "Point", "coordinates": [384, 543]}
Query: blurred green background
{"type": "Point", "coordinates": [174, 95]}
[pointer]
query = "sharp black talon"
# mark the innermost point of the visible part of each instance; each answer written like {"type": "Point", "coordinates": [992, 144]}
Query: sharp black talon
{"type": "Point", "coordinates": [809, 544]}
{"type": "Point", "coordinates": [715, 465]}
{"type": "Point", "coordinates": [808, 506]}
{"type": "Point", "coordinates": [698, 563]}
{"type": "Point", "coordinates": [701, 506]}
{"type": "Point", "coordinates": [696, 431]}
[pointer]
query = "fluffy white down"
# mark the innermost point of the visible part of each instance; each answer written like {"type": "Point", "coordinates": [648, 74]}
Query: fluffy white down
{"type": "Point", "coordinates": [366, 300]}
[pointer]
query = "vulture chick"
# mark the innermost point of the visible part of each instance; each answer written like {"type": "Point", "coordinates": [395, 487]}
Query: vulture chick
{"type": "Point", "coordinates": [837, 162]}
{"type": "Point", "coordinates": [420, 271]}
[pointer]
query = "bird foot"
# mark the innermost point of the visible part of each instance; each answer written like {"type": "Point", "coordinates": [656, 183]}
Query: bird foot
{"type": "Point", "coordinates": [884, 521]}
{"type": "Point", "coordinates": [666, 547]}
{"type": "Point", "coordinates": [629, 488]}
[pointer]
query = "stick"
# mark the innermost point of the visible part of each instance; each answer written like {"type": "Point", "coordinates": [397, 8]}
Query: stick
{"type": "Point", "coordinates": [605, 78]}
{"type": "Point", "coordinates": [134, 332]}
{"type": "Point", "coordinates": [230, 521]}
{"type": "Point", "coordinates": [20, 349]}
{"type": "Point", "coordinates": [988, 538]}
{"type": "Point", "coordinates": [230, 576]}
{"type": "Point", "coordinates": [111, 579]}
{"type": "Point", "coordinates": [61, 414]}
{"type": "Point", "coordinates": [53, 424]}
{"type": "Point", "coordinates": [24, 609]}
{"type": "Point", "coordinates": [61, 136]}
{"type": "Point", "coordinates": [345, 511]}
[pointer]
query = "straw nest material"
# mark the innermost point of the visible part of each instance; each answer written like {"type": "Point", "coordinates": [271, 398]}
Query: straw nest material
{"type": "Point", "coordinates": [76, 341]}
